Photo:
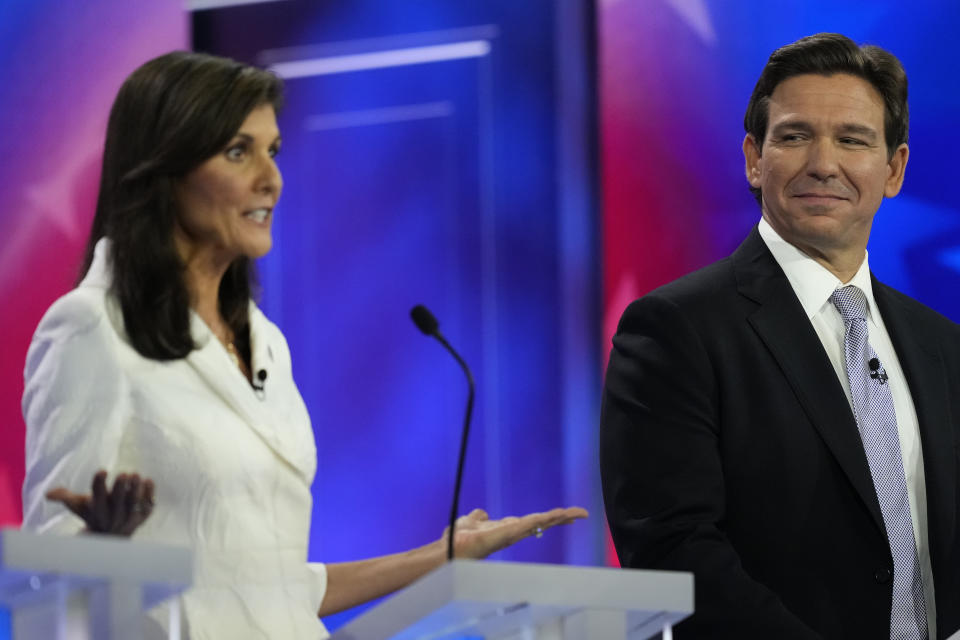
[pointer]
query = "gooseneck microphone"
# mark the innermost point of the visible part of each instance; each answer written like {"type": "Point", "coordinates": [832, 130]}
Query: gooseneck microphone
{"type": "Point", "coordinates": [428, 324]}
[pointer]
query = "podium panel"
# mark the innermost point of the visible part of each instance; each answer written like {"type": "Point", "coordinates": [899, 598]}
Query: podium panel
{"type": "Point", "coordinates": [514, 601]}
{"type": "Point", "coordinates": [86, 586]}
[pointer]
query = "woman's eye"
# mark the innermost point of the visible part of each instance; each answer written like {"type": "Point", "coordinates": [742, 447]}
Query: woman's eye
{"type": "Point", "coordinates": [235, 152]}
{"type": "Point", "coordinates": [274, 151]}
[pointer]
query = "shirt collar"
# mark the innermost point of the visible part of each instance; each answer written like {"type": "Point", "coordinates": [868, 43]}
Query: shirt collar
{"type": "Point", "coordinates": [812, 282]}
{"type": "Point", "coordinates": [100, 272]}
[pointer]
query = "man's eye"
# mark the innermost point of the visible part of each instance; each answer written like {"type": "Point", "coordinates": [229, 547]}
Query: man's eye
{"type": "Point", "coordinates": [274, 151]}
{"type": "Point", "coordinates": [791, 137]}
{"type": "Point", "coordinates": [853, 141]}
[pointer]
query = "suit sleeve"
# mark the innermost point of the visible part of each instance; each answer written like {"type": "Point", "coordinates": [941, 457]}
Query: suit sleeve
{"type": "Point", "coordinates": [75, 407]}
{"type": "Point", "coordinates": [663, 474]}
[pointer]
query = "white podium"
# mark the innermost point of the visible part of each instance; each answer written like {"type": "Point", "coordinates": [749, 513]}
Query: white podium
{"type": "Point", "coordinates": [85, 586]}
{"type": "Point", "coordinates": [517, 601]}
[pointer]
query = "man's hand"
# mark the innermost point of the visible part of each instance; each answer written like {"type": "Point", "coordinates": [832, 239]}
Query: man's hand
{"type": "Point", "coordinates": [119, 511]}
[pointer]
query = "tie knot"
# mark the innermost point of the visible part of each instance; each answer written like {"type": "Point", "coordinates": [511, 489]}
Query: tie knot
{"type": "Point", "coordinates": [851, 302]}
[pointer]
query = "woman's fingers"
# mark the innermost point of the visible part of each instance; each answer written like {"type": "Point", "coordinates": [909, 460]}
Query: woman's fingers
{"type": "Point", "coordinates": [99, 519]}
{"type": "Point", "coordinates": [133, 506]}
{"type": "Point", "coordinates": [147, 503]}
{"type": "Point", "coordinates": [75, 502]}
{"type": "Point", "coordinates": [148, 492]}
{"type": "Point", "coordinates": [478, 515]}
{"type": "Point", "coordinates": [119, 510]}
{"type": "Point", "coordinates": [139, 504]}
{"type": "Point", "coordinates": [481, 538]}
{"type": "Point", "coordinates": [120, 503]}
{"type": "Point", "coordinates": [539, 522]}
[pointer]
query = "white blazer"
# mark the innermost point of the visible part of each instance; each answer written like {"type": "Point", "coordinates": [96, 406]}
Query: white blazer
{"type": "Point", "coordinates": [232, 467]}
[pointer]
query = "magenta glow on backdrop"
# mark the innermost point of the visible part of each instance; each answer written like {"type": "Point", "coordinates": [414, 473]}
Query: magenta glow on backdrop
{"type": "Point", "coordinates": [63, 63]}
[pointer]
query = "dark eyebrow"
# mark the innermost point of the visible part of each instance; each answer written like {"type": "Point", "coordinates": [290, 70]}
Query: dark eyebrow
{"type": "Point", "coordinates": [792, 125]}
{"type": "Point", "coordinates": [246, 137]}
{"type": "Point", "coordinates": [861, 130]}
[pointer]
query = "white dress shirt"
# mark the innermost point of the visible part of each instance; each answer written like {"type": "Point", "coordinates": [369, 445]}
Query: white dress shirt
{"type": "Point", "coordinates": [232, 468]}
{"type": "Point", "coordinates": [814, 284]}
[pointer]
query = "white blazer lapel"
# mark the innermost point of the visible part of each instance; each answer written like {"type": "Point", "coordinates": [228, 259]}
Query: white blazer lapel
{"type": "Point", "coordinates": [212, 363]}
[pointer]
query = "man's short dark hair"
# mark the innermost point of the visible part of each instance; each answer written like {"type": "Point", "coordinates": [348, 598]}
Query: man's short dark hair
{"type": "Point", "coordinates": [827, 54]}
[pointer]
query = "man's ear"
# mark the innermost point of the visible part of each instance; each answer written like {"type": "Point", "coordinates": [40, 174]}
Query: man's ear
{"type": "Point", "coordinates": [751, 157]}
{"type": "Point", "coordinates": [897, 168]}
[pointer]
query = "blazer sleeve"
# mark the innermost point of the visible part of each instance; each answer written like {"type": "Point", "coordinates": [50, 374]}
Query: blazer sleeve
{"type": "Point", "coordinates": [662, 472]}
{"type": "Point", "coordinates": [318, 574]}
{"type": "Point", "coordinates": [75, 406]}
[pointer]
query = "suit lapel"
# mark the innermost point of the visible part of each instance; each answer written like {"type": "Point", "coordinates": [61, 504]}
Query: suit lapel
{"type": "Point", "coordinates": [212, 363]}
{"type": "Point", "coordinates": [920, 359]}
{"type": "Point", "coordinates": [783, 327]}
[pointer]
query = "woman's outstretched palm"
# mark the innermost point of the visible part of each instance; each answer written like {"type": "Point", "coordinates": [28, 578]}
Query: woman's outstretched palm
{"type": "Point", "coordinates": [477, 536]}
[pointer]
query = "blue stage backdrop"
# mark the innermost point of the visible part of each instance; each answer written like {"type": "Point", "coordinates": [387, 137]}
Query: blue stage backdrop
{"type": "Point", "coordinates": [435, 153]}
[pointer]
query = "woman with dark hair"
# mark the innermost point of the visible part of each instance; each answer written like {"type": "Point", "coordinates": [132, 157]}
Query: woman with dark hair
{"type": "Point", "coordinates": [147, 366]}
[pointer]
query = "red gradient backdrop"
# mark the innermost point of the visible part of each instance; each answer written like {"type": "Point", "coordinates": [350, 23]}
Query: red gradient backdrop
{"type": "Point", "coordinates": [63, 63]}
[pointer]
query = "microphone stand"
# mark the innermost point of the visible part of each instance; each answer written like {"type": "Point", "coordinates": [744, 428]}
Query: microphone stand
{"type": "Point", "coordinates": [427, 323]}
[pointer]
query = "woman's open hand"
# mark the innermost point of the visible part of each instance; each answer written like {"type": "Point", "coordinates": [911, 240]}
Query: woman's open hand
{"type": "Point", "coordinates": [477, 536]}
{"type": "Point", "coordinates": [118, 511]}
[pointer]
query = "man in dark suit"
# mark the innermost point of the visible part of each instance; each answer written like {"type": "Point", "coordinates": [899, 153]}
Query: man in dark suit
{"type": "Point", "coordinates": [780, 423]}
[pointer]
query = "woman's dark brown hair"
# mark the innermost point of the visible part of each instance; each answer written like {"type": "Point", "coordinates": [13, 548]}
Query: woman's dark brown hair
{"type": "Point", "coordinates": [170, 115]}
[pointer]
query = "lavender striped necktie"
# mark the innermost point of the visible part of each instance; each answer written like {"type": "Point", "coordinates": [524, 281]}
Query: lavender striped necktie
{"type": "Point", "coordinates": [877, 422]}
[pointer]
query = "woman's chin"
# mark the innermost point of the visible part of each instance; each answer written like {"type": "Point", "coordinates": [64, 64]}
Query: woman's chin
{"type": "Point", "coordinates": [258, 248]}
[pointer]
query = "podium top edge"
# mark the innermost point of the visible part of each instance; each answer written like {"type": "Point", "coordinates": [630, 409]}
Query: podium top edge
{"type": "Point", "coordinates": [612, 587]}
{"type": "Point", "coordinates": [96, 556]}
{"type": "Point", "coordinates": [478, 567]}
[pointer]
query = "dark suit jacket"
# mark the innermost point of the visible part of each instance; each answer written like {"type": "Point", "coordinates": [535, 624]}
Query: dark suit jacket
{"type": "Point", "coordinates": [728, 448]}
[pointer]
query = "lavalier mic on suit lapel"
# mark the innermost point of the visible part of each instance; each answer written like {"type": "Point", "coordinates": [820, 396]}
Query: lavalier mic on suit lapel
{"type": "Point", "coordinates": [428, 324]}
{"type": "Point", "coordinates": [259, 382]}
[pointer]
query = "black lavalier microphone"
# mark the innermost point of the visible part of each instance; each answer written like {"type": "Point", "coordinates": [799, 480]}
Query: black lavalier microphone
{"type": "Point", "coordinates": [259, 382]}
{"type": "Point", "coordinates": [428, 324]}
{"type": "Point", "coordinates": [876, 371]}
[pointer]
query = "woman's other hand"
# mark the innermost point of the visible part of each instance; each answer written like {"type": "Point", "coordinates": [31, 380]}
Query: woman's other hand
{"type": "Point", "coordinates": [118, 511]}
{"type": "Point", "coordinates": [477, 536]}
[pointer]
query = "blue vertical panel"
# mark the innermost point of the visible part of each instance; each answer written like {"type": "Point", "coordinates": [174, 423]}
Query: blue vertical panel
{"type": "Point", "coordinates": [577, 244]}
{"type": "Point", "coordinates": [385, 213]}
{"type": "Point", "coordinates": [436, 183]}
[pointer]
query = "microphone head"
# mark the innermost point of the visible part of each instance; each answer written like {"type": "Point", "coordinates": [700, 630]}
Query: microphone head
{"type": "Point", "coordinates": [424, 320]}
{"type": "Point", "coordinates": [874, 364]}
